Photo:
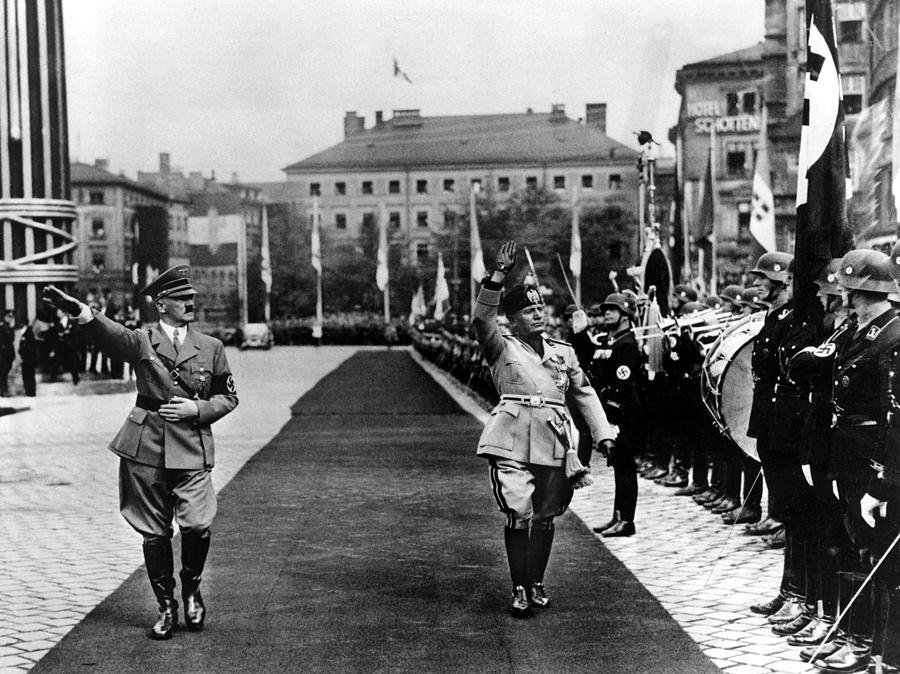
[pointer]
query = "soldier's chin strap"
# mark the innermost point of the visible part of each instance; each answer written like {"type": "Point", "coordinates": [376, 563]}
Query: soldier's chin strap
{"type": "Point", "coordinates": [853, 599]}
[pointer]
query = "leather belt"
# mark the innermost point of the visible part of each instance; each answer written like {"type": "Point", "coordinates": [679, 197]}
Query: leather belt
{"type": "Point", "coordinates": [537, 400]}
{"type": "Point", "coordinates": [148, 403]}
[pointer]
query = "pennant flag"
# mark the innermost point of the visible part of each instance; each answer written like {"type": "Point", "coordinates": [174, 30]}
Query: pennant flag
{"type": "Point", "coordinates": [315, 243]}
{"type": "Point", "coordinates": [381, 275]}
{"type": "Point", "coordinates": [265, 267]}
{"type": "Point", "coordinates": [400, 73]}
{"type": "Point", "coordinates": [762, 210]}
{"type": "Point", "coordinates": [822, 186]}
{"type": "Point", "coordinates": [477, 256]}
{"type": "Point", "coordinates": [417, 307]}
{"type": "Point", "coordinates": [575, 250]}
{"type": "Point", "coordinates": [441, 290]}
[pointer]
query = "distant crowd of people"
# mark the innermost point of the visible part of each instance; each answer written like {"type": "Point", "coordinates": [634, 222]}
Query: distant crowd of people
{"type": "Point", "coordinates": [56, 346]}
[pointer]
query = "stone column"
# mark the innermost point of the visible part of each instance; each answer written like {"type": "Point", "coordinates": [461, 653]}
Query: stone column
{"type": "Point", "coordinates": [37, 216]}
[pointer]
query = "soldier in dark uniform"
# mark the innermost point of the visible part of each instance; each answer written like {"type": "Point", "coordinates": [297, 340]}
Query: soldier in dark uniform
{"type": "Point", "coordinates": [864, 454]}
{"type": "Point", "coordinates": [7, 350]}
{"type": "Point", "coordinates": [770, 280]}
{"type": "Point", "coordinates": [526, 438]}
{"type": "Point", "coordinates": [166, 445]}
{"type": "Point", "coordinates": [614, 368]}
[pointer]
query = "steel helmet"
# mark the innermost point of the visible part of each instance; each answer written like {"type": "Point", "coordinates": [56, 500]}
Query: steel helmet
{"type": "Point", "coordinates": [895, 261]}
{"type": "Point", "coordinates": [774, 266]}
{"type": "Point", "coordinates": [692, 308]}
{"type": "Point", "coordinates": [685, 292]}
{"type": "Point", "coordinates": [868, 270]}
{"type": "Point", "coordinates": [732, 293]}
{"type": "Point", "coordinates": [828, 277]}
{"type": "Point", "coordinates": [618, 301]}
{"type": "Point", "coordinates": [713, 302]}
{"type": "Point", "coordinates": [751, 296]}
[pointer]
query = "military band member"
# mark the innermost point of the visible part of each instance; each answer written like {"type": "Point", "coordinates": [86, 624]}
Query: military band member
{"type": "Point", "coordinates": [526, 438]}
{"type": "Point", "coordinates": [166, 445]}
{"type": "Point", "coordinates": [614, 367]}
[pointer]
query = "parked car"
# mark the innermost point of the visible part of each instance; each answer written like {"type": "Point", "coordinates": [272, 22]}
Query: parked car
{"type": "Point", "coordinates": [256, 336]}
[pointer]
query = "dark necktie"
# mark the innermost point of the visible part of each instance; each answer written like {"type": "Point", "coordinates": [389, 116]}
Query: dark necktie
{"type": "Point", "coordinates": [176, 342]}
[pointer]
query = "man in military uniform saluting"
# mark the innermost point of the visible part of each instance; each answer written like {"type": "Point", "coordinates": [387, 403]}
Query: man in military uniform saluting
{"type": "Point", "coordinates": [166, 446]}
{"type": "Point", "coordinates": [527, 436]}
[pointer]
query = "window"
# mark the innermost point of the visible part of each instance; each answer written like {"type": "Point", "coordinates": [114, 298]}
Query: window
{"type": "Point", "coordinates": [98, 263]}
{"type": "Point", "coordinates": [394, 219]}
{"type": "Point", "coordinates": [421, 187]}
{"type": "Point", "coordinates": [587, 182]}
{"type": "Point", "coordinates": [367, 187]}
{"type": "Point", "coordinates": [476, 184]}
{"type": "Point", "coordinates": [340, 221]}
{"type": "Point", "coordinates": [368, 220]}
{"type": "Point", "coordinates": [449, 218]}
{"type": "Point", "coordinates": [394, 187]}
{"type": "Point", "coordinates": [735, 159]}
{"type": "Point", "coordinates": [615, 181]}
{"type": "Point", "coordinates": [449, 184]}
{"type": "Point", "coordinates": [96, 197]}
{"type": "Point", "coordinates": [854, 87]}
{"type": "Point", "coordinates": [503, 184]}
{"type": "Point", "coordinates": [748, 102]}
{"type": "Point", "coordinates": [421, 252]}
{"type": "Point", "coordinates": [340, 189]}
{"type": "Point", "coordinates": [731, 104]}
{"type": "Point", "coordinates": [850, 31]}
{"type": "Point", "coordinates": [315, 189]}
{"type": "Point", "coordinates": [559, 182]}
{"type": "Point", "coordinates": [98, 228]}
{"type": "Point", "coordinates": [422, 219]}
{"type": "Point", "coordinates": [531, 183]}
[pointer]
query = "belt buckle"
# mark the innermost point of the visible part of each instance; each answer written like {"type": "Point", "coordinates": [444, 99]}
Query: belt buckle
{"type": "Point", "coordinates": [536, 400]}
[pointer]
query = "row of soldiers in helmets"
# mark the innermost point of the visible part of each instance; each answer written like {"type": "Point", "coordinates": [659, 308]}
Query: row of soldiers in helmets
{"type": "Point", "coordinates": [825, 414]}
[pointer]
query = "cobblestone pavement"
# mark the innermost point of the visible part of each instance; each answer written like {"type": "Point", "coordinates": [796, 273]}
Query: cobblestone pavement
{"type": "Point", "coordinates": [703, 577]}
{"type": "Point", "coordinates": [65, 547]}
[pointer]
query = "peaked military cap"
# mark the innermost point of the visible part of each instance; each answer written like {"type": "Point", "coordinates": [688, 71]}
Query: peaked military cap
{"type": "Point", "coordinates": [173, 282]}
{"type": "Point", "coordinates": [685, 292]}
{"type": "Point", "coordinates": [774, 266]}
{"type": "Point", "coordinates": [521, 297]}
{"type": "Point", "coordinates": [868, 270]}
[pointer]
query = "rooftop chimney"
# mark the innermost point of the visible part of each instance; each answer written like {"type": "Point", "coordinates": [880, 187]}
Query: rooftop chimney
{"type": "Point", "coordinates": [102, 164]}
{"type": "Point", "coordinates": [408, 117]}
{"type": "Point", "coordinates": [353, 124]}
{"type": "Point", "coordinates": [595, 115]}
{"type": "Point", "coordinates": [164, 165]}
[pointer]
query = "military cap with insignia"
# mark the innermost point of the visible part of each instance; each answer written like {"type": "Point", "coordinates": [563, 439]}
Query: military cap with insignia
{"type": "Point", "coordinates": [521, 297]}
{"type": "Point", "coordinates": [173, 282]}
{"type": "Point", "coordinates": [868, 270]}
{"type": "Point", "coordinates": [775, 266]}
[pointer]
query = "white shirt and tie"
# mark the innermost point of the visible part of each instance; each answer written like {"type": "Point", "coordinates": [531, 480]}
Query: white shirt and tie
{"type": "Point", "coordinates": [175, 335]}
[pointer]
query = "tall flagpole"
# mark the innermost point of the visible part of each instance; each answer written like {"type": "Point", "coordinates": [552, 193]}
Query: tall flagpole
{"type": "Point", "coordinates": [316, 251]}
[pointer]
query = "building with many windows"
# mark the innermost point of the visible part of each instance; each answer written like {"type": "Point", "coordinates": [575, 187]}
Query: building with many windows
{"type": "Point", "coordinates": [419, 170]}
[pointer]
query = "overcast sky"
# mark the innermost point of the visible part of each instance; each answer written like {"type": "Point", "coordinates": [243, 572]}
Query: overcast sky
{"type": "Point", "coordinates": [250, 86]}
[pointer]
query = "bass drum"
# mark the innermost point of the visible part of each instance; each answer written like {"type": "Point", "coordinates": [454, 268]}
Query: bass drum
{"type": "Point", "coordinates": [726, 381]}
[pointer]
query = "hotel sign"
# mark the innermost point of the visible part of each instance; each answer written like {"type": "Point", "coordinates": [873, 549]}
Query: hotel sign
{"type": "Point", "coordinates": [707, 114]}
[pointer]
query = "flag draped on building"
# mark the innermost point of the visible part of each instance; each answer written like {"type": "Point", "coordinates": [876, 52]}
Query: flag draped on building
{"type": "Point", "coordinates": [575, 250]}
{"type": "Point", "coordinates": [762, 212]}
{"type": "Point", "coordinates": [441, 289]}
{"type": "Point", "coordinates": [822, 186]}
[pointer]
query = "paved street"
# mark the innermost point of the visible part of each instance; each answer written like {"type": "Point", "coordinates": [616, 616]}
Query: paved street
{"type": "Point", "coordinates": [66, 548]}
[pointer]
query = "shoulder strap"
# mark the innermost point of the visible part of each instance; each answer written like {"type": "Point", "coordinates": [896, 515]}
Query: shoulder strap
{"type": "Point", "coordinates": [176, 375]}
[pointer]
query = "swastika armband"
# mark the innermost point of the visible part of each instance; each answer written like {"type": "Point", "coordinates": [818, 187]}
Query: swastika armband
{"type": "Point", "coordinates": [223, 384]}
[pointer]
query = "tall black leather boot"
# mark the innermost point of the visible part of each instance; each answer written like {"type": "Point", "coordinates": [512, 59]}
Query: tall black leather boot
{"type": "Point", "coordinates": [540, 543]}
{"type": "Point", "coordinates": [517, 554]}
{"type": "Point", "coordinates": [194, 548]}
{"type": "Point", "coordinates": [160, 570]}
{"type": "Point", "coordinates": [890, 640]}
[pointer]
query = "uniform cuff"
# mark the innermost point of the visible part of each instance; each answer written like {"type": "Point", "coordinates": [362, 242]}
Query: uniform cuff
{"type": "Point", "coordinates": [488, 296]}
{"type": "Point", "coordinates": [85, 315]}
{"type": "Point", "coordinates": [492, 285]}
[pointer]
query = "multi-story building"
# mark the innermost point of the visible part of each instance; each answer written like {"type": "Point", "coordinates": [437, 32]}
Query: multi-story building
{"type": "Point", "coordinates": [123, 228]}
{"type": "Point", "coordinates": [223, 239]}
{"type": "Point", "coordinates": [728, 92]}
{"type": "Point", "coordinates": [419, 170]}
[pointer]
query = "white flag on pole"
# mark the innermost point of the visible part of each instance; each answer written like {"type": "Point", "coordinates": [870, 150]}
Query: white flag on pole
{"type": "Point", "coordinates": [575, 251]}
{"type": "Point", "coordinates": [316, 243]}
{"type": "Point", "coordinates": [441, 289]}
{"type": "Point", "coordinates": [762, 209]}
{"type": "Point", "coordinates": [381, 275]}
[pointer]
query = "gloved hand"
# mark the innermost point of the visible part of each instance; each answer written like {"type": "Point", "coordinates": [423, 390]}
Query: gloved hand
{"type": "Point", "coordinates": [607, 448]}
{"type": "Point", "coordinates": [868, 505]}
{"type": "Point", "coordinates": [579, 321]}
{"type": "Point", "coordinates": [57, 299]}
